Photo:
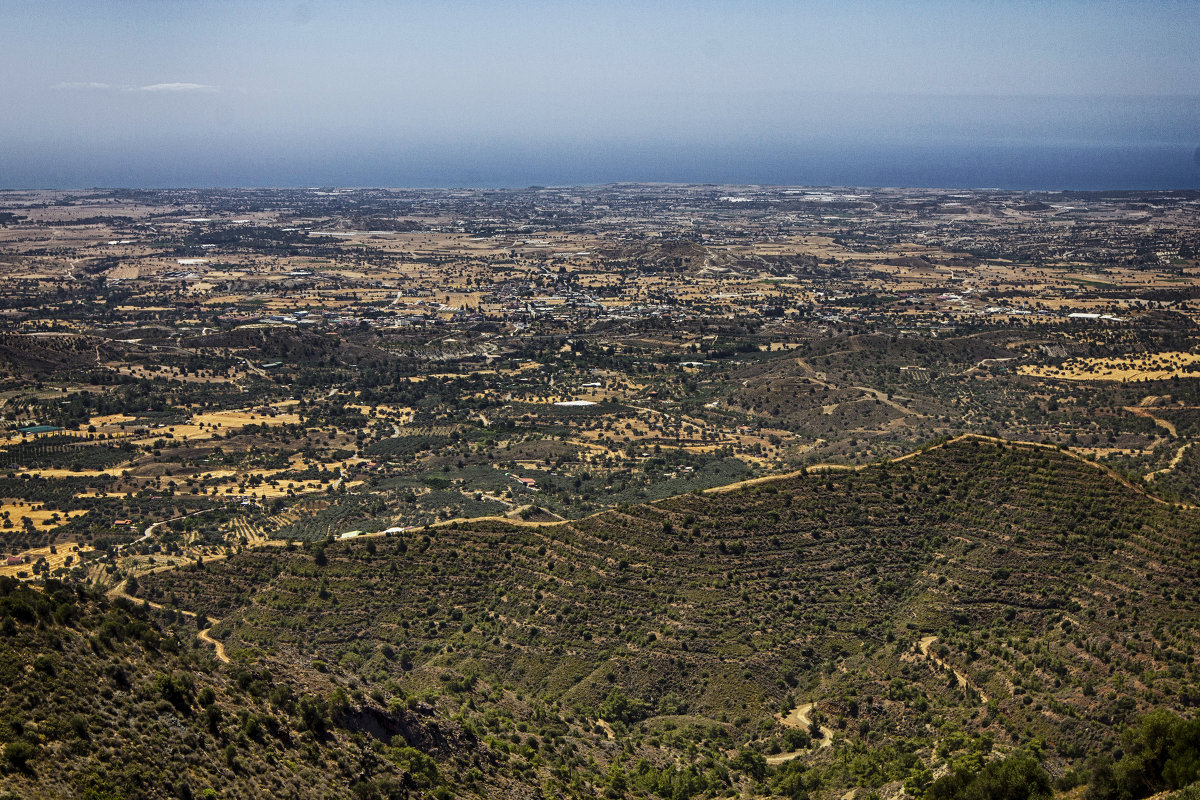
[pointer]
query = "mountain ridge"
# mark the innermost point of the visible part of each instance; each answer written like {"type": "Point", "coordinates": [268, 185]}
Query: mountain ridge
{"type": "Point", "coordinates": [725, 604]}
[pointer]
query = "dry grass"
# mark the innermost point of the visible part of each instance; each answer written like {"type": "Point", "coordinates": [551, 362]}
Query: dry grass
{"type": "Point", "coordinates": [171, 374]}
{"type": "Point", "coordinates": [1151, 367]}
{"type": "Point", "coordinates": [57, 472]}
{"type": "Point", "coordinates": [108, 420]}
{"type": "Point", "coordinates": [53, 560]}
{"type": "Point", "coordinates": [42, 517]}
{"type": "Point", "coordinates": [203, 426]}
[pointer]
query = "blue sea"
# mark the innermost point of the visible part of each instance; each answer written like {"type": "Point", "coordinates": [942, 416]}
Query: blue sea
{"type": "Point", "coordinates": [1022, 165]}
{"type": "Point", "coordinates": [960, 165]}
{"type": "Point", "coordinates": [777, 138]}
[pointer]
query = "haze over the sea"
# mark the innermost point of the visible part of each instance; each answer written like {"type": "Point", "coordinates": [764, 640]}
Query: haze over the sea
{"type": "Point", "coordinates": [1065, 95]}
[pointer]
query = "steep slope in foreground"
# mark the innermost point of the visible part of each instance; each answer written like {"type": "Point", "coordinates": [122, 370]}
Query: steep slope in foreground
{"type": "Point", "coordinates": [944, 609]}
{"type": "Point", "coordinates": [102, 701]}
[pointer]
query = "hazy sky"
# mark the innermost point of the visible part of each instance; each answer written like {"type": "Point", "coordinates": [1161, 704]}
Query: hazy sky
{"type": "Point", "coordinates": [208, 92]}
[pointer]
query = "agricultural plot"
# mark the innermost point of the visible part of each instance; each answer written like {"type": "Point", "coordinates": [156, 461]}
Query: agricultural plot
{"type": "Point", "coordinates": [1152, 367]}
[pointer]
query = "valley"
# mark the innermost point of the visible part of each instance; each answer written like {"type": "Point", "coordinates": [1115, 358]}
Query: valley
{"type": "Point", "coordinates": [614, 491]}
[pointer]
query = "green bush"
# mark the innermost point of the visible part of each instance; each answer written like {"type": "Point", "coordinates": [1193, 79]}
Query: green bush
{"type": "Point", "coordinates": [1162, 751]}
{"type": "Point", "coordinates": [1018, 777]}
{"type": "Point", "coordinates": [18, 754]}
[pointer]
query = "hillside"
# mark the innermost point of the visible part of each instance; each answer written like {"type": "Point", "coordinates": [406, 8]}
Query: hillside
{"type": "Point", "coordinates": [943, 610]}
{"type": "Point", "coordinates": [113, 700]}
{"type": "Point", "coordinates": [38, 355]}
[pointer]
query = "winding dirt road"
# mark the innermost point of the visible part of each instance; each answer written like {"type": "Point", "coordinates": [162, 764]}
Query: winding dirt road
{"type": "Point", "coordinates": [149, 532]}
{"type": "Point", "coordinates": [217, 645]}
{"type": "Point", "coordinates": [798, 718]}
{"type": "Point", "coordinates": [119, 591]}
{"type": "Point", "coordinates": [1149, 476]}
{"type": "Point", "coordinates": [1143, 410]}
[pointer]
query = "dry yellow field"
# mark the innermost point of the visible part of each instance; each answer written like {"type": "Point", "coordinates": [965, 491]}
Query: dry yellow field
{"type": "Point", "coordinates": [56, 472]}
{"type": "Point", "coordinates": [110, 420]}
{"type": "Point", "coordinates": [203, 426]}
{"type": "Point", "coordinates": [171, 374]}
{"type": "Point", "coordinates": [14, 510]}
{"type": "Point", "coordinates": [54, 560]}
{"type": "Point", "coordinates": [401, 415]}
{"type": "Point", "coordinates": [1156, 366]}
{"type": "Point", "coordinates": [232, 479]}
{"type": "Point", "coordinates": [240, 419]}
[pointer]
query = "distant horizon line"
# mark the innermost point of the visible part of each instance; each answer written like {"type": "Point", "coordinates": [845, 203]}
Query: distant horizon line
{"type": "Point", "coordinates": [585, 185]}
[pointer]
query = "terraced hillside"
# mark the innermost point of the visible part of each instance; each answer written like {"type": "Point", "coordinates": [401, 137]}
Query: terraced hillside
{"type": "Point", "coordinates": [941, 610]}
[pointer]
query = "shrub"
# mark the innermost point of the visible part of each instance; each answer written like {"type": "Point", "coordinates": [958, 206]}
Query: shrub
{"type": "Point", "coordinates": [18, 754]}
{"type": "Point", "coordinates": [1018, 777]}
